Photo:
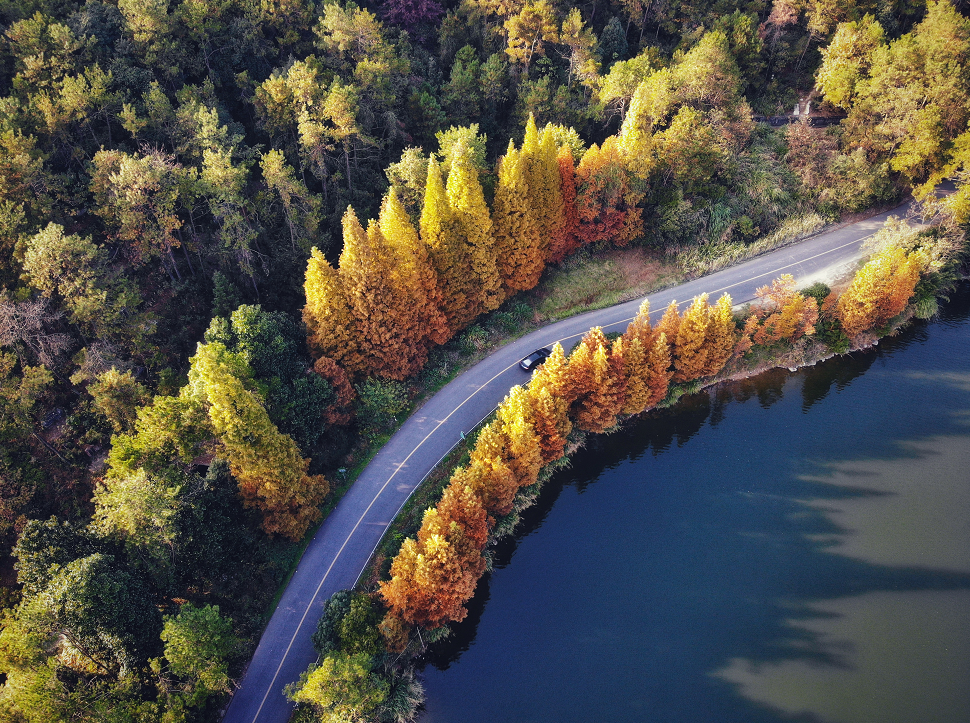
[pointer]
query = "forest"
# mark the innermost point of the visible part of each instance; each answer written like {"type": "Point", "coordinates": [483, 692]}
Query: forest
{"type": "Point", "coordinates": [233, 233]}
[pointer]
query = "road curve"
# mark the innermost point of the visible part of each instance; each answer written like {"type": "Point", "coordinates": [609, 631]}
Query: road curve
{"type": "Point", "coordinates": [344, 543]}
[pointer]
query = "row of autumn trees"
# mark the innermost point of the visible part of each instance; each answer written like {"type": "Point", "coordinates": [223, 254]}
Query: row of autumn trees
{"type": "Point", "coordinates": [398, 289]}
{"type": "Point", "coordinates": [600, 382]}
{"type": "Point", "coordinates": [362, 637]}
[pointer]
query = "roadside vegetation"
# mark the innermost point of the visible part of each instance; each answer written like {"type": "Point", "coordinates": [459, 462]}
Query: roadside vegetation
{"type": "Point", "coordinates": [411, 597]}
{"type": "Point", "coordinates": [240, 241]}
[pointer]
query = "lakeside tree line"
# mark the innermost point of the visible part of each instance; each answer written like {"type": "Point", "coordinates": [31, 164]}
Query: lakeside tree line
{"type": "Point", "coordinates": [181, 182]}
{"type": "Point", "coordinates": [368, 640]}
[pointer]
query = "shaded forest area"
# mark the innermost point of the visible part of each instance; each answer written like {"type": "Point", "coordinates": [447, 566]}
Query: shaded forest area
{"type": "Point", "coordinates": [173, 175]}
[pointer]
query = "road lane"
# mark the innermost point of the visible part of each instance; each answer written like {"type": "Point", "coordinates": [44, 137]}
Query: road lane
{"type": "Point", "coordinates": [343, 545]}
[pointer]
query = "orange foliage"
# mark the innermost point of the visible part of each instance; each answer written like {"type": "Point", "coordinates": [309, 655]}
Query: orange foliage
{"type": "Point", "coordinates": [783, 313]}
{"type": "Point", "coordinates": [565, 241]}
{"type": "Point", "coordinates": [690, 351]}
{"type": "Point", "coordinates": [339, 412]}
{"type": "Point", "coordinates": [606, 202]}
{"type": "Point", "coordinates": [721, 336]}
{"type": "Point", "coordinates": [596, 381]}
{"type": "Point", "coordinates": [549, 400]}
{"type": "Point", "coordinates": [879, 291]}
{"type": "Point", "coordinates": [433, 576]}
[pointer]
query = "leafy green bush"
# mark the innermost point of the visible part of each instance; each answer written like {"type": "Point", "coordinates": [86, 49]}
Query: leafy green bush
{"type": "Point", "coordinates": [379, 401]}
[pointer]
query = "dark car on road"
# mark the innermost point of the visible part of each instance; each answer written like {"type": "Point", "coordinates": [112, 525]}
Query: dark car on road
{"type": "Point", "coordinates": [535, 359]}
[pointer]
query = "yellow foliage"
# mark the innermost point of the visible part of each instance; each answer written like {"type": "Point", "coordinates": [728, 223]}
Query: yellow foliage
{"type": "Point", "coordinates": [690, 350]}
{"type": "Point", "coordinates": [468, 207]}
{"type": "Point", "coordinates": [414, 268]}
{"type": "Point", "coordinates": [332, 330]}
{"type": "Point", "coordinates": [271, 472]}
{"type": "Point", "coordinates": [450, 255]}
{"type": "Point", "coordinates": [721, 336]}
{"type": "Point", "coordinates": [879, 291]}
{"type": "Point", "coordinates": [519, 254]}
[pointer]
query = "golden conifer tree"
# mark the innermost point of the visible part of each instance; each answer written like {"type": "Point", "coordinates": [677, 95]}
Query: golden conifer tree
{"type": "Point", "coordinates": [540, 156]}
{"type": "Point", "coordinates": [721, 336]}
{"type": "Point", "coordinates": [489, 477]}
{"type": "Point", "coordinates": [459, 505]}
{"type": "Point", "coordinates": [468, 207]}
{"type": "Point", "coordinates": [658, 361]}
{"type": "Point", "coordinates": [490, 473]}
{"type": "Point", "coordinates": [434, 576]}
{"type": "Point", "coordinates": [414, 267]}
{"type": "Point", "coordinates": [640, 328]}
{"type": "Point", "coordinates": [879, 291]}
{"type": "Point", "coordinates": [388, 324]}
{"type": "Point", "coordinates": [549, 398]}
{"type": "Point", "coordinates": [449, 252]}
{"type": "Point", "coordinates": [515, 416]}
{"type": "Point", "coordinates": [549, 418]}
{"type": "Point", "coordinates": [637, 373]}
{"type": "Point", "coordinates": [669, 325]}
{"type": "Point", "coordinates": [690, 351]}
{"type": "Point", "coordinates": [519, 256]}
{"type": "Point", "coordinates": [332, 331]}
{"type": "Point", "coordinates": [596, 376]}
{"type": "Point", "coordinates": [271, 472]}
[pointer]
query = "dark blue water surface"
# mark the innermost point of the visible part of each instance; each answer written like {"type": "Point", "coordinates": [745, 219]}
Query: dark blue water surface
{"type": "Point", "coordinates": [795, 547]}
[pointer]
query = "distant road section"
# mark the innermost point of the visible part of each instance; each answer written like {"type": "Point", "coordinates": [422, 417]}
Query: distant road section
{"type": "Point", "coordinates": [342, 546]}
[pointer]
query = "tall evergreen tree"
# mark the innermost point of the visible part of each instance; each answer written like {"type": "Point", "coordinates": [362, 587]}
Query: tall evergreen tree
{"type": "Point", "coordinates": [415, 269]}
{"type": "Point", "coordinates": [565, 241]}
{"type": "Point", "coordinates": [690, 353]}
{"type": "Point", "coordinates": [467, 201]}
{"type": "Point", "coordinates": [518, 249]}
{"type": "Point", "coordinates": [332, 329]}
{"type": "Point", "coordinates": [721, 336]}
{"type": "Point", "coordinates": [390, 338]}
{"type": "Point", "coordinates": [449, 252]}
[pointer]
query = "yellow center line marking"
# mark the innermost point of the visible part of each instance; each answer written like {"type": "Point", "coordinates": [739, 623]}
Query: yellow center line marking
{"type": "Point", "coordinates": [438, 426]}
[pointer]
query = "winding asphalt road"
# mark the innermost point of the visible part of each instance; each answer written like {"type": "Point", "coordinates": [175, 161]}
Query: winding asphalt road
{"type": "Point", "coordinates": [344, 543]}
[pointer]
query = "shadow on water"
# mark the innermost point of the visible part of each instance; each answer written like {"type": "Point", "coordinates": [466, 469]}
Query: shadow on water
{"type": "Point", "coordinates": [747, 579]}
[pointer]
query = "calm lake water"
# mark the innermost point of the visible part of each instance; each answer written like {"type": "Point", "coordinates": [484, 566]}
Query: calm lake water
{"type": "Point", "coordinates": [791, 548]}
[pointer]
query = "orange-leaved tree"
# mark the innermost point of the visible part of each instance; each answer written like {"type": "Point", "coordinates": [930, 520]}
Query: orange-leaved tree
{"type": "Point", "coordinates": [782, 313]}
{"type": "Point", "coordinates": [433, 576]}
{"type": "Point", "coordinates": [721, 336]}
{"type": "Point", "coordinates": [690, 348]}
{"type": "Point", "coordinates": [596, 382]}
{"type": "Point", "coordinates": [566, 241]}
{"type": "Point", "coordinates": [391, 337]}
{"type": "Point", "coordinates": [606, 199]}
{"type": "Point", "coordinates": [647, 354]}
{"type": "Point", "coordinates": [550, 404]}
{"type": "Point", "coordinates": [508, 442]}
{"type": "Point", "coordinates": [880, 290]}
